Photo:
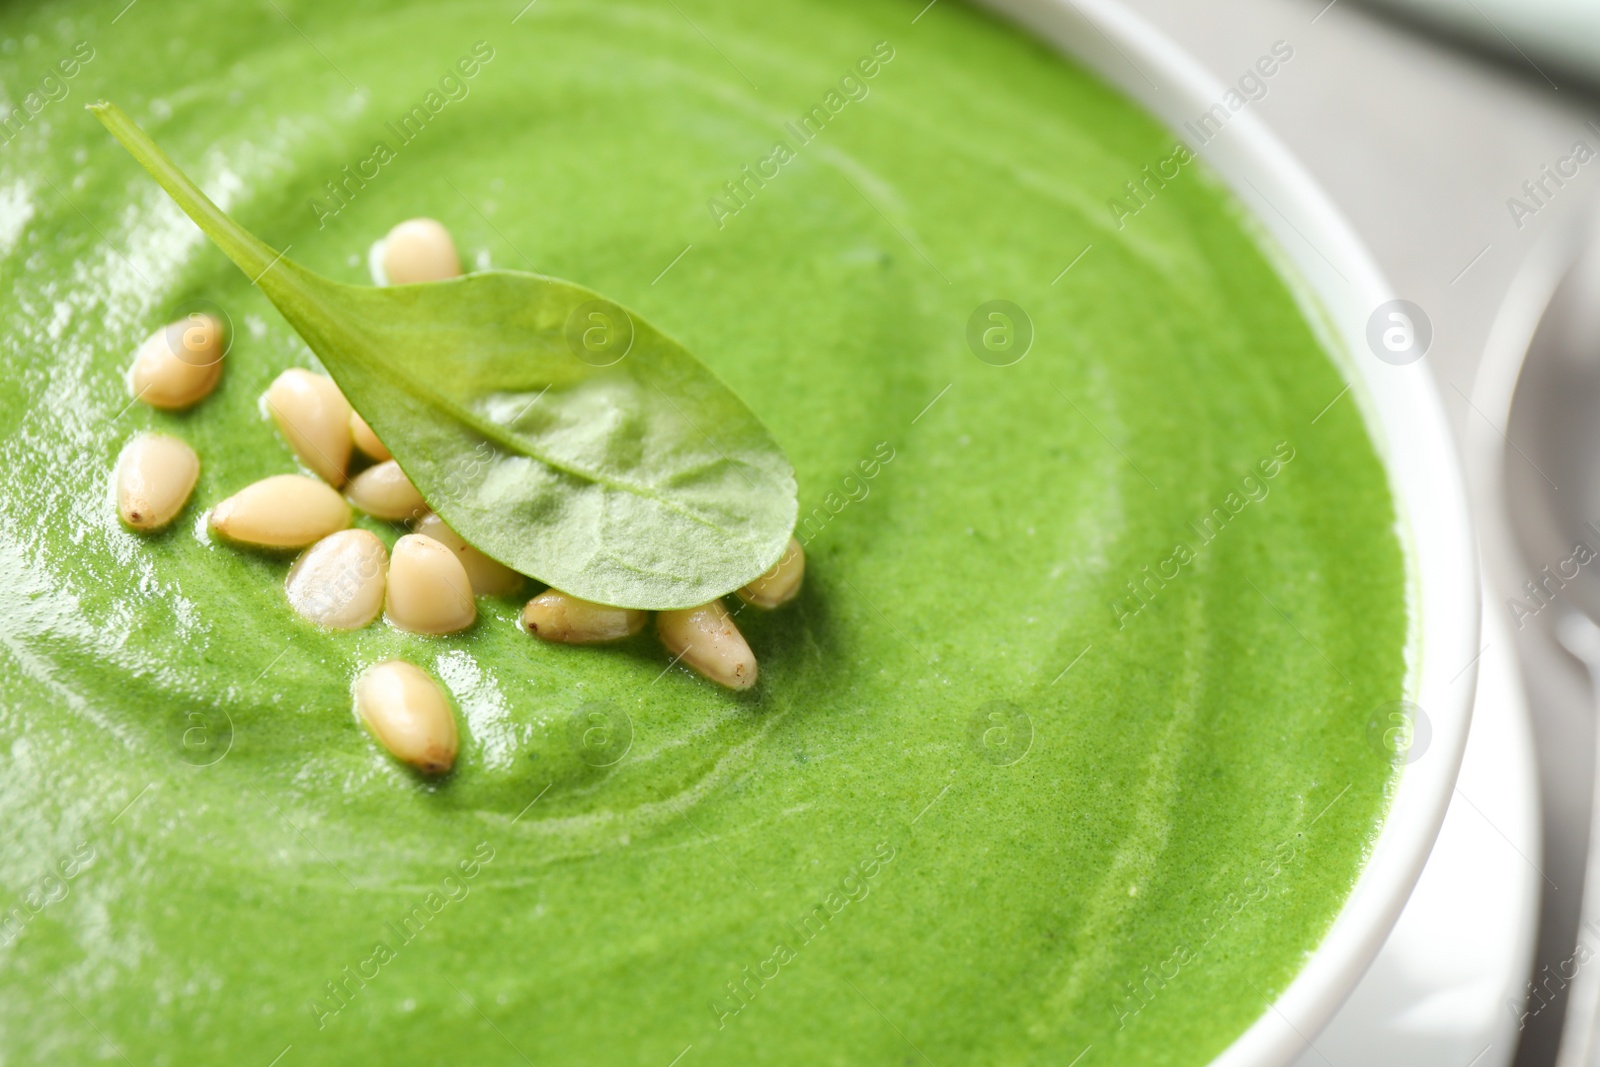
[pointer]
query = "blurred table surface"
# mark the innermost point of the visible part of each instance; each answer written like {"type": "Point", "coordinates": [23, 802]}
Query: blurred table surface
{"type": "Point", "coordinates": [1421, 141]}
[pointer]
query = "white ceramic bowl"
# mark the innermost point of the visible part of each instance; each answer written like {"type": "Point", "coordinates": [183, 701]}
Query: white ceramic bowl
{"type": "Point", "coordinates": [1407, 423]}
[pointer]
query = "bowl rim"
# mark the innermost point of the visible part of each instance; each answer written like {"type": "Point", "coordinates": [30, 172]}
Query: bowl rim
{"type": "Point", "coordinates": [1407, 423]}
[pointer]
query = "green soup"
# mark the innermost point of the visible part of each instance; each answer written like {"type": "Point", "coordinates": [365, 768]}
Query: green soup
{"type": "Point", "coordinates": [1064, 745]}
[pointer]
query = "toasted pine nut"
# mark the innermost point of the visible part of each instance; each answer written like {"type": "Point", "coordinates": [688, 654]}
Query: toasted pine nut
{"type": "Point", "coordinates": [779, 585]}
{"type": "Point", "coordinates": [428, 588]}
{"type": "Point", "coordinates": [155, 475]}
{"type": "Point", "coordinates": [179, 364]}
{"type": "Point", "coordinates": [557, 616]}
{"type": "Point", "coordinates": [706, 639]}
{"type": "Point", "coordinates": [488, 577]}
{"type": "Point", "coordinates": [385, 492]}
{"type": "Point", "coordinates": [284, 511]}
{"type": "Point", "coordinates": [419, 250]}
{"type": "Point", "coordinates": [314, 418]}
{"type": "Point", "coordinates": [409, 714]}
{"type": "Point", "coordinates": [365, 439]}
{"type": "Point", "coordinates": [338, 582]}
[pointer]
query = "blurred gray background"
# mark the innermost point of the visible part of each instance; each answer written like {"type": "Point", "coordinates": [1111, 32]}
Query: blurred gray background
{"type": "Point", "coordinates": [1420, 134]}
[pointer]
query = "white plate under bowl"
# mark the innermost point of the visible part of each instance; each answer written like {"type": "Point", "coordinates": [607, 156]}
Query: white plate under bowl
{"type": "Point", "coordinates": [1449, 987]}
{"type": "Point", "coordinates": [1407, 423]}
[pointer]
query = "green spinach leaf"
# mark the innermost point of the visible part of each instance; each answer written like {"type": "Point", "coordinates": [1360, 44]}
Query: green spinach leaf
{"type": "Point", "coordinates": [552, 429]}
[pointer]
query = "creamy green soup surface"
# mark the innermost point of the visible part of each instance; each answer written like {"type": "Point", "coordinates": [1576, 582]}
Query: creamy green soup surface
{"type": "Point", "coordinates": [1064, 745]}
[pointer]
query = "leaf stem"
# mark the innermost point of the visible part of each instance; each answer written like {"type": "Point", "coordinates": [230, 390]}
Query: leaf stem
{"type": "Point", "coordinates": [252, 255]}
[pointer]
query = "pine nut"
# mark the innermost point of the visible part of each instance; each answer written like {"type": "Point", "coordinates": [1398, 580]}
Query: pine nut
{"type": "Point", "coordinates": [557, 616]}
{"type": "Point", "coordinates": [419, 250]}
{"type": "Point", "coordinates": [706, 639]}
{"type": "Point", "coordinates": [179, 364]}
{"type": "Point", "coordinates": [384, 491]}
{"type": "Point", "coordinates": [155, 475]}
{"type": "Point", "coordinates": [314, 418]}
{"type": "Point", "coordinates": [409, 714]}
{"type": "Point", "coordinates": [488, 577]}
{"type": "Point", "coordinates": [284, 511]}
{"type": "Point", "coordinates": [428, 588]}
{"type": "Point", "coordinates": [367, 441]}
{"type": "Point", "coordinates": [779, 585]}
{"type": "Point", "coordinates": [338, 582]}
